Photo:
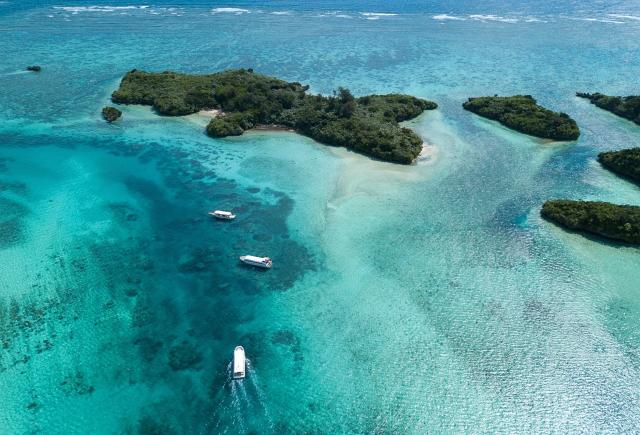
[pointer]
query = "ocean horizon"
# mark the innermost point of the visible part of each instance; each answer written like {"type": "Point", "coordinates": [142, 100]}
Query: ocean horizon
{"type": "Point", "coordinates": [422, 298]}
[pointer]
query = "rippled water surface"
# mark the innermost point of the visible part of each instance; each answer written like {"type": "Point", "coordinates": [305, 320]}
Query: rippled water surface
{"type": "Point", "coordinates": [425, 298]}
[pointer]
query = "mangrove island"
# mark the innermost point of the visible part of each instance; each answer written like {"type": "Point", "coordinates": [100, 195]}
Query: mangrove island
{"type": "Point", "coordinates": [368, 124]}
{"type": "Point", "coordinates": [616, 222]}
{"type": "Point", "coordinates": [623, 162]}
{"type": "Point", "coordinates": [523, 114]}
{"type": "Point", "coordinates": [626, 107]}
{"type": "Point", "coordinates": [110, 114]}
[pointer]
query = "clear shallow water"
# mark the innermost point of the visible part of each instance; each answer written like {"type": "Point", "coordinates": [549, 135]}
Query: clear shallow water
{"type": "Point", "coordinates": [403, 299]}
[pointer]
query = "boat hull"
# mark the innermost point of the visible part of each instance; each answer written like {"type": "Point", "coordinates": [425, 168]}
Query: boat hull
{"type": "Point", "coordinates": [239, 363]}
{"type": "Point", "coordinates": [261, 263]}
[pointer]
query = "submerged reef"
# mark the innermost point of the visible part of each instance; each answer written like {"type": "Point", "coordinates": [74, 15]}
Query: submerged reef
{"type": "Point", "coordinates": [368, 125]}
{"type": "Point", "coordinates": [626, 107]}
{"type": "Point", "coordinates": [616, 222]}
{"type": "Point", "coordinates": [523, 114]}
{"type": "Point", "coordinates": [111, 114]}
{"type": "Point", "coordinates": [623, 162]}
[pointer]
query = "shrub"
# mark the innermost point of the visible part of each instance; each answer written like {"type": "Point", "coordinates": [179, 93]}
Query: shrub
{"type": "Point", "coordinates": [523, 114]}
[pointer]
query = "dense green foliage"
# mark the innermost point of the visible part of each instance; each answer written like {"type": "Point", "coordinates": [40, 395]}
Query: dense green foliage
{"type": "Point", "coordinates": [522, 113]}
{"type": "Point", "coordinates": [34, 68]}
{"type": "Point", "coordinates": [110, 114]}
{"type": "Point", "coordinates": [624, 162]}
{"type": "Point", "coordinates": [617, 222]}
{"type": "Point", "coordinates": [626, 107]}
{"type": "Point", "coordinates": [367, 124]}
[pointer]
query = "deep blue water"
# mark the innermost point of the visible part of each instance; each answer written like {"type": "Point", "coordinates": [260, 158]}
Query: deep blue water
{"type": "Point", "coordinates": [428, 298]}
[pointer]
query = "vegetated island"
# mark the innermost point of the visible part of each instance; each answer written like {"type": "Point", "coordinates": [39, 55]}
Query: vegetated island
{"type": "Point", "coordinates": [368, 125]}
{"type": "Point", "coordinates": [111, 114]}
{"type": "Point", "coordinates": [623, 162]}
{"type": "Point", "coordinates": [626, 107]}
{"type": "Point", "coordinates": [616, 222]}
{"type": "Point", "coordinates": [523, 114]}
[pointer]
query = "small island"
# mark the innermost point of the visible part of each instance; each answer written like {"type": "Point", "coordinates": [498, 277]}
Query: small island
{"type": "Point", "coordinates": [34, 68]}
{"type": "Point", "coordinates": [626, 107]}
{"type": "Point", "coordinates": [110, 114]}
{"type": "Point", "coordinates": [623, 162]}
{"type": "Point", "coordinates": [368, 124]}
{"type": "Point", "coordinates": [616, 222]}
{"type": "Point", "coordinates": [523, 114]}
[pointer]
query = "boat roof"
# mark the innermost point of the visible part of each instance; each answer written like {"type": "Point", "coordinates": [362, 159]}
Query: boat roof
{"type": "Point", "coordinates": [254, 258]}
{"type": "Point", "coordinates": [222, 212]}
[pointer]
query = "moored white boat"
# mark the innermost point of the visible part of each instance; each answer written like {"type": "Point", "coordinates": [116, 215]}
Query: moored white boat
{"type": "Point", "coordinates": [252, 260]}
{"type": "Point", "coordinates": [221, 214]}
{"type": "Point", "coordinates": [239, 363]}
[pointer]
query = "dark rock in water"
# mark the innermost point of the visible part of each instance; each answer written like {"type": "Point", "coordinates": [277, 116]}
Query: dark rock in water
{"type": "Point", "coordinates": [184, 356]}
{"type": "Point", "coordinates": [33, 405]}
{"type": "Point", "coordinates": [131, 292]}
{"type": "Point", "coordinates": [75, 384]}
{"type": "Point", "coordinates": [110, 114]}
{"type": "Point", "coordinates": [284, 336]}
{"type": "Point", "coordinates": [148, 347]}
{"type": "Point", "coordinates": [34, 68]}
{"type": "Point", "coordinates": [148, 426]}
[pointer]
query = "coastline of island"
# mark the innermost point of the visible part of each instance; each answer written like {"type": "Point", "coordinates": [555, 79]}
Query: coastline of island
{"type": "Point", "coordinates": [523, 114]}
{"type": "Point", "coordinates": [625, 163]}
{"type": "Point", "coordinates": [241, 100]}
{"type": "Point", "coordinates": [625, 107]}
{"type": "Point", "coordinates": [611, 221]}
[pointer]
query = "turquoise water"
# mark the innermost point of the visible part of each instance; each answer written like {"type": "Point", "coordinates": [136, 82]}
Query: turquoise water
{"type": "Point", "coordinates": [428, 298]}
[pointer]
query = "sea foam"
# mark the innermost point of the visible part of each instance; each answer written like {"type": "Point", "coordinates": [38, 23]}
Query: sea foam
{"type": "Point", "coordinates": [446, 17]}
{"type": "Point", "coordinates": [626, 17]}
{"type": "Point", "coordinates": [491, 17]}
{"type": "Point", "coordinates": [236, 11]}
{"type": "Point", "coordinates": [78, 9]}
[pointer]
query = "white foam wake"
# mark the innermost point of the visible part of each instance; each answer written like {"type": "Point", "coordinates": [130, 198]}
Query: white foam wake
{"type": "Point", "coordinates": [236, 11]}
{"type": "Point", "coordinates": [491, 17]}
{"type": "Point", "coordinates": [78, 9]}
{"type": "Point", "coordinates": [376, 15]}
{"type": "Point", "coordinates": [625, 17]}
{"type": "Point", "coordinates": [597, 20]}
{"type": "Point", "coordinates": [446, 17]}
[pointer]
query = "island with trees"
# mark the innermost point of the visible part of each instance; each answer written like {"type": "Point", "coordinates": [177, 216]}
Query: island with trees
{"type": "Point", "coordinates": [623, 162]}
{"type": "Point", "coordinates": [616, 222]}
{"type": "Point", "coordinates": [110, 114]}
{"type": "Point", "coordinates": [626, 107]}
{"type": "Point", "coordinates": [368, 124]}
{"type": "Point", "coordinates": [523, 114]}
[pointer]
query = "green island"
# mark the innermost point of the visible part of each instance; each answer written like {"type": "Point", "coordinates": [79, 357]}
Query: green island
{"type": "Point", "coordinates": [623, 162]}
{"type": "Point", "coordinates": [523, 114]}
{"type": "Point", "coordinates": [616, 222]}
{"type": "Point", "coordinates": [368, 124]}
{"type": "Point", "coordinates": [626, 107]}
{"type": "Point", "coordinates": [110, 114]}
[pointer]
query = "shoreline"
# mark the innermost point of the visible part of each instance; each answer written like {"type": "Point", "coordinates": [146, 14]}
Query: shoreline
{"type": "Point", "coordinates": [427, 155]}
{"type": "Point", "coordinates": [211, 113]}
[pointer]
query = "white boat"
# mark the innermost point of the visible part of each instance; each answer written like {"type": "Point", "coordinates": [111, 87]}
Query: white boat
{"type": "Point", "coordinates": [264, 262]}
{"type": "Point", "coordinates": [221, 214]}
{"type": "Point", "coordinates": [239, 363]}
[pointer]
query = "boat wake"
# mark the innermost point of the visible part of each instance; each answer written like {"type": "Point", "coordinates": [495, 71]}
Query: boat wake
{"type": "Point", "coordinates": [242, 401]}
